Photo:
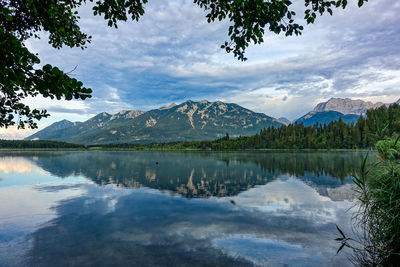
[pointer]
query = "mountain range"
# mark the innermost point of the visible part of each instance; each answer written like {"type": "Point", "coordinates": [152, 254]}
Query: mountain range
{"type": "Point", "coordinates": [191, 121]}
{"type": "Point", "coordinates": [333, 109]}
{"type": "Point", "coordinates": [325, 117]}
{"type": "Point", "coordinates": [188, 121]}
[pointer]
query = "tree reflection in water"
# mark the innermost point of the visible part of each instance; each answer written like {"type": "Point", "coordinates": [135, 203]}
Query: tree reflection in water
{"type": "Point", "coordinates": [200, 174]}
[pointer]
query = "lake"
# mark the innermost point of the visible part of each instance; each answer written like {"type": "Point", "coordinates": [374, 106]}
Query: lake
{"type": "Point", "coordinates": [152, 208]}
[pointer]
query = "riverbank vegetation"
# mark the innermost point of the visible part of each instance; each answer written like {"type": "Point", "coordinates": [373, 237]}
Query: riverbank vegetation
{"type": "Point", "coordinates": [376, 221]}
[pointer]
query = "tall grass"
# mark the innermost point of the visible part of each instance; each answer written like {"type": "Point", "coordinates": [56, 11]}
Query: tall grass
{"type": "Point", "coordinates": [377, 218]}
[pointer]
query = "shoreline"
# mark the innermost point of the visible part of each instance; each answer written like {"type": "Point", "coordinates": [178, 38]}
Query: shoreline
{"type": "Point", "coordinates": [194, 150]}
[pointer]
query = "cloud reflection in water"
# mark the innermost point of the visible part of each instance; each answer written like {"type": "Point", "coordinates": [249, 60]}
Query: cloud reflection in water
{"type": "Point", "coordinates": [284, 211]}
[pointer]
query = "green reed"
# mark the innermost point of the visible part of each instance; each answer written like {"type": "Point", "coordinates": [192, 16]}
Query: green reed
{"type": "Point", "coordinates": [376, 220]}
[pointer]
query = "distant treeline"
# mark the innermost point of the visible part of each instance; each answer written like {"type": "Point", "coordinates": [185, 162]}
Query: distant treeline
{"type": "Point", "coordinates": [377, 124]}
{"type": "Point", "coordinates": [21, 144]}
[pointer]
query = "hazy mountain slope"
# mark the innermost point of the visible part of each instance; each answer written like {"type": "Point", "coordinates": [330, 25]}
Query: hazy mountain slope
{"type": "Point", "coordinates": [187, 121]}
{"type": "Point", "coordinates": [284, 121]}
{"type": "Point", "coordinates": [54, 131]}
{"type": "Point", "coordinates": [325, 117]}
{"type": "Point", "coordinates": [346, 106]}
{"type": "Point", "coordinates": [73, 129]}
{"type": "Point", "coordinates": [349, 110]}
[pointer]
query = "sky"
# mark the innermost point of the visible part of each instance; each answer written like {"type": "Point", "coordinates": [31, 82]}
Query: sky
{"type": "Point", "coordinates": [172, 54]}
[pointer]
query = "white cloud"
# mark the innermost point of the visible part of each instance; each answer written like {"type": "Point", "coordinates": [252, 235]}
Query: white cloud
{"type": "Point", "coordinates": [14, 133]}
{"type": "Point", "coordinates": [173, 54]}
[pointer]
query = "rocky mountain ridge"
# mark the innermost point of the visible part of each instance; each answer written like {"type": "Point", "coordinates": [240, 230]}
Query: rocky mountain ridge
{"type": "Point", "coordinates": [333, 109]}
{"type": "Point", "coordinates": [187, 121]}
{"type": "Point", "coordinates": [347, 106]}
{"type": "Point", "coordinates": [191, 120]}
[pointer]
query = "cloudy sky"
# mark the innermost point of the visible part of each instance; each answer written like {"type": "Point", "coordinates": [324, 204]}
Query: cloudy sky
{"type": "Point", "coordinates": [172, 54]}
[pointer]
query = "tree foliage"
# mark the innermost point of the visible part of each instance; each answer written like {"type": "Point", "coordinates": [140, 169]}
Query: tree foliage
{"type": "Point", "coordinates": [23, 19]}
{"type": "Point", "coordinates": [37, 144]}
{"type": "Point", "coordinates": [335, 135]}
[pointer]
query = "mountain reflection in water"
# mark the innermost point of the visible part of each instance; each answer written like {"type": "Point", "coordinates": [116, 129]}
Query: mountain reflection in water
{"type": "Point", "coordinates": [201, 175]}
{"type": "Point", "coordinates": [88, 208]}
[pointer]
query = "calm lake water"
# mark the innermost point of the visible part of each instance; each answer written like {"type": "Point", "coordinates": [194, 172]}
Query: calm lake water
{"type": "Point", "coordinates": [101, 208]}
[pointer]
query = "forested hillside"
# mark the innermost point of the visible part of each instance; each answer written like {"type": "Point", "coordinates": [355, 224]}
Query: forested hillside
{"type": "Point", "coordinates": [379, 123]}
{"type": "Point", "coordinates": [384, 121]}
